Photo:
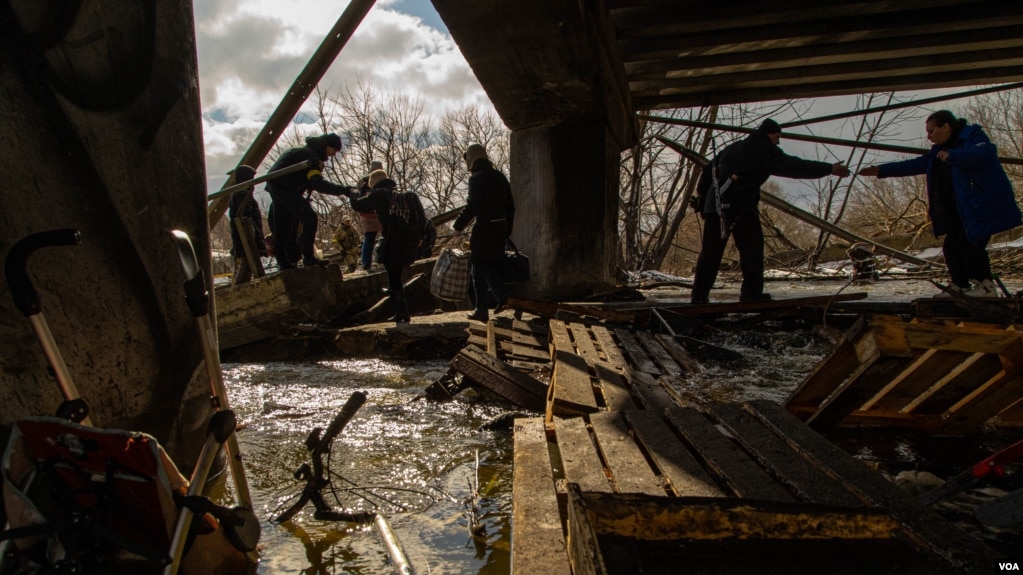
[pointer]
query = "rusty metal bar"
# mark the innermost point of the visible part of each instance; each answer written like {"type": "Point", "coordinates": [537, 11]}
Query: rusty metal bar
{"type": "Point", "coordinates": [297, 95]}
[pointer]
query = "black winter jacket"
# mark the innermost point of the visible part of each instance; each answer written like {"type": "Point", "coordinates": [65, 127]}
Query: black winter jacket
{"type": "Point", "coordinates": [491, 204]}
{"type": "Point", "coordinates": [753, 159]}
{"type": "Point", "coordinates": [311, 179]}
{"type": "Point", "coordinates": [401, 243]}
{"type": "Point", "coordinates": [251, 211]}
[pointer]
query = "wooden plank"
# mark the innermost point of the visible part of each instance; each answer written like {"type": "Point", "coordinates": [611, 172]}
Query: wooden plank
{"type": "Point", "coordinates": [629, 469]}
{"type": "Point", "coordinates": [717, 309]}
{"type": "Point", "coordinates": [918, 375]}
{"type": "Point", "coordinates": [539, 329]}
{"type": "Point", "coordinates": [724, 457]}
{"type": "Point", "coordinates": [635, 352]}
{"type": "Point", "coordinates": [571, 387]}
{"type": "Point", "coordinates": [491, 339]}
{"type": "Point", "coordinates": [539, 542]}
{"type": "Point", "coordinates": [559, 338]}
{"type": "Point", "coordinates": [682, 473]}
{"type": "Point", "coordinates": [787, 466]}
{"type": "Point", "coordinates": [679, 353]}
{"type": "Point", "coordinates": [529, 339]}
{"type": "Point", "coordinates": [665, 363]}
{"type": "Point", "coordinates": [612, 355]}
{"type": "Point", "coordinates": [984, 370]}
{"type": "Point", "coordinates": [538, 355]}
{"type": "Point", "coordinates": [579, 457]}
{"type": "Point", "coordinates": [963, 370]}
{"type": "Point", "coordinates": [854, 392]}
{"type": "Point", "coordinates": [614, 388]}
{"type": "Point", "coordinates": [957, 338]}
{"type": "Point", "coordinates": [932, 534]}
{"type": "Point", "coordinates": [649, 390]}
{"type": "Point", "coordinates": [978, 407]}
{"type": "Point", "coordinates": [500, 378]}
{"type": "Point", "coordinates": [838, 365]}
{"type": "Point", "coordinates": [550, 309]}
{"type": "Point", "coordinates": [649, 518]}
{"type": "Point", "coordinates": [583, 547]}
{"type": "Point", "coordinates": [583, 343]}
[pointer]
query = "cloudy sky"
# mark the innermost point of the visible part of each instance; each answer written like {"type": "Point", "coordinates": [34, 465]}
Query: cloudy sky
{"type": "Point", "coordinates": [250, 52]}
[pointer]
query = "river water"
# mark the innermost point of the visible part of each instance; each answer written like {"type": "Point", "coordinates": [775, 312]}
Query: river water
{"type": "Point", "coordinates": [415, 461]}
{"type": "Point", "coordinates": [412, 460]}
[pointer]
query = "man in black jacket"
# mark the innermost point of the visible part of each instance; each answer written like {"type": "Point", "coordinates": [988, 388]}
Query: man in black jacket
{"type": "Point", "coordinates": [730, 188]}
{"type": "Point", "coordinates": [291, 193]}
{"type": "Point", "coordinates": [490, 203]}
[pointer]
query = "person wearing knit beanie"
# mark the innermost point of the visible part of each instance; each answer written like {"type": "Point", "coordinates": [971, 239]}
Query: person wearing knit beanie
{"type": "Point", "coordinates": [289, 195]}
{"type": "Point", "coordinates": [490, 208]}
{"type": "Point", "coordinates": [730, 192]}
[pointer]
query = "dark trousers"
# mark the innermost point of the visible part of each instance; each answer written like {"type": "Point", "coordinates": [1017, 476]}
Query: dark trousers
{"type": "Point", "coordinates": [368, 241]}
{"type": "Point", "coordinates": [749, 240]}
{"type": "Point", "coordinates": [396, 290]}
{"type": "Point", "coordinates": [298, 208]}
{"type": "Point", "coordinates": [486, 279]}
{"type": "Point", "coordinates": [965, 260]}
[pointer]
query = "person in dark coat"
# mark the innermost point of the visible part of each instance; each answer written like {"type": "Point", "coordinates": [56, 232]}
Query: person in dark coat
{"type": "Point", "coordinates": [243, 205]}
{"type": "Point", "coordinates": [291, 192]}
{"type": "Point", "coordinates": [969, 197]}
{"type": "Point", "coordinates": [400, 241]}
{"type": "Point", "coordinates": [739, 170]}
{"type": "Point", "coordinates": [491, 205]}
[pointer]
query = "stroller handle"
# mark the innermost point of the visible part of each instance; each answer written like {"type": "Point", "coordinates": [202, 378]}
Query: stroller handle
{"type": "Point", "coordinates": [25, 295]}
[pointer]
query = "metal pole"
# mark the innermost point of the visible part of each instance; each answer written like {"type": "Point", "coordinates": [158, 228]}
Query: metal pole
{"type": "Point", "coordinates": [297, 95]}
{"type": "Point", "coordinates": [264, 178]}
{"type": "Point", "coordinates": [802, 138]}
{"type": "Point", "coordinates": [198, 299]}
{"type": "Point", "coordinates": [900, 105]}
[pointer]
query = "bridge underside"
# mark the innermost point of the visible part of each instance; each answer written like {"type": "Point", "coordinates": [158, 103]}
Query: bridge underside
{"type": "Point", "coordinates": [560, 71]}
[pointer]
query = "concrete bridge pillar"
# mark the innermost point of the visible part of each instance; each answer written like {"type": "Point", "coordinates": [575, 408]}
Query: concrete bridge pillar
{"type": "Point", "coordinates": [565, 182]}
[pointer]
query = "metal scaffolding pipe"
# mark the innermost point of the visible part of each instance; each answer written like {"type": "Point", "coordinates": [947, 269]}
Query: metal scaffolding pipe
{"type": "Point", "coordinates": [804, 138]}
{"type": "Point", "coordinates": [304, 84]}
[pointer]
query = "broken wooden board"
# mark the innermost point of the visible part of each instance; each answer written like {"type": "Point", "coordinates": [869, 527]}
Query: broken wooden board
{"type": "Point", "coordinates": [762, 306]}
{"type": "Point", "coordinates": [550, 310]}
{"type": "Point", "coordinates": [540, 543]}
{"type": "Point", "coordinates": [500, 378]}
{"type": "Point", "coordinates": [724, 482]}
{"type": "Point", "coordinates": [591, 372]}
{"type": "Point", "coordinates": [934, 377]}
{"type": "Point", "coordinates": [520, 343]}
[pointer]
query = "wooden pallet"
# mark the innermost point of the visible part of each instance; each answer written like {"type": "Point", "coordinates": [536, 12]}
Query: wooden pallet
{"type": "Point", "coordinates": [932, 377]}
{"type": "Point", "coordinates": [592, 373]}
{"type": "Point", "coordinates": [681, 485]}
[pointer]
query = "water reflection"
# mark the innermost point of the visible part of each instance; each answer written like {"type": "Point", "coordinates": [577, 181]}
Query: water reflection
{"type": "Point", "coordinates": [410, 459]}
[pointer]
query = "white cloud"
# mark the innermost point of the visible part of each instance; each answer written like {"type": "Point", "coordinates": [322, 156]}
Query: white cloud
{"type": "Point", "coordinates": [251, 52]}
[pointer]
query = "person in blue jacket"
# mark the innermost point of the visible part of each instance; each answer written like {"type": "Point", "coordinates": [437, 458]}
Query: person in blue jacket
{"type": "Point", "coordinates": [969, 197]}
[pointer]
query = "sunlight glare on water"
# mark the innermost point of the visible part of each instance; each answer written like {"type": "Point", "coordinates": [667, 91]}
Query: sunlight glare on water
{"type": "Point", "coordinates": [410, 459]}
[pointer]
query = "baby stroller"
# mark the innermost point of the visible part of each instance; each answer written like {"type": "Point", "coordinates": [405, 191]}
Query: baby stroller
{"type": "Point", "coordinates": [80, 499]}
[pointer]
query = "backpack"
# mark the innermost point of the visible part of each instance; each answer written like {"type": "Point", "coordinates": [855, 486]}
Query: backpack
{"type": "Point", "coordinates": [411, 217]}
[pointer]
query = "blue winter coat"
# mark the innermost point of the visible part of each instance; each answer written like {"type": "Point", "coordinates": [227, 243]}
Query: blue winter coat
{"type": "Point", "coordinates": [983, 194]}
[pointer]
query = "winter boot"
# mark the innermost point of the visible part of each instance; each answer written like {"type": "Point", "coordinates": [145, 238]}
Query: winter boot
{"type": "Point", "coordinates": [985, 288]}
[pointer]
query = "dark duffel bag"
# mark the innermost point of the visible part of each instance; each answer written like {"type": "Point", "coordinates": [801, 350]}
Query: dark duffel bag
{"type": "Point", "coordinates": [515, 267]}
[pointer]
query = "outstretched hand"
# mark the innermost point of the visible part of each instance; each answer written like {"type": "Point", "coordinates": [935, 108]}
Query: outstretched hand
{"type": "Point", "coordinates": [839, 169]}
{"type": "Point", "coordinates": [869, 171]}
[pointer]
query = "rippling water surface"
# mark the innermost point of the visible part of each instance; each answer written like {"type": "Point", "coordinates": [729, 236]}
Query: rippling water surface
{"type": "Point", "coordinates": [415, 461]}
{"type": "Point", "coordinates": [412, 460]}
